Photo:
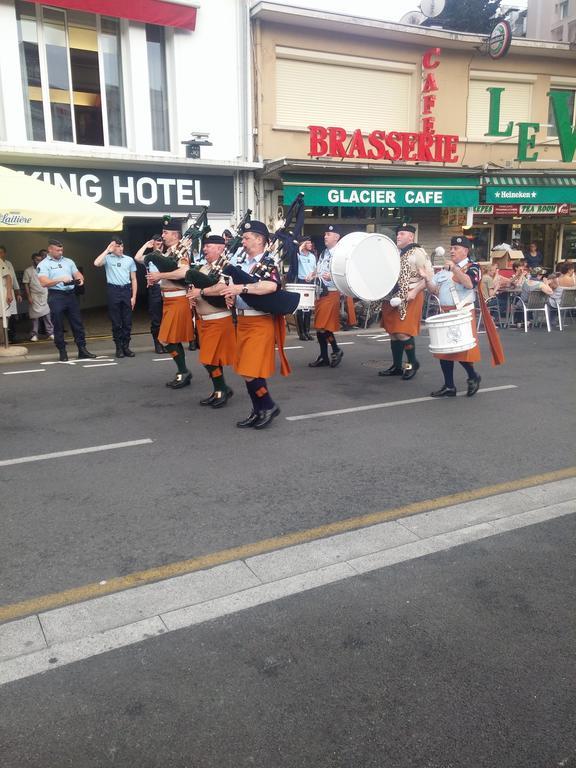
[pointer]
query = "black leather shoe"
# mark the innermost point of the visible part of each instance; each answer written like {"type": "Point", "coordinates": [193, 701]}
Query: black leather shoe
{"type": "Point", "coordinates": [473, 386]}
{"type": "Point", "coordinates": [410, 371]}
{"type": "Point", "coordinates": [336, 358]}
{"type": "Point", "coordinates": [128, 352]}
{"type": "Point", "coordinates": [83, 354]}
{"type": "Point", "coordinates": [63, 355]}
{"type": "Point", "coordinates": [392, 371]}
{"type": "Point", "coordinates": [248, 422]}
{"type": "Point", "coordinates": [309, 338]}
{"type": "Point", "coordinates": [180, 380]}
{"type": "Point", "coordinates": [320, 362]}
{"type": "Point", "coordinates": [192, 346]}
{"type": "Point", "coordinates": [159, 348]}
{"type": "Point", "coordinates": [222, 398]}
{"type": "Point", "coordinates": [208, 400]}
{"type": "Point", "coordinates": [444, 391]}
{"type": "Point", "coordinates": [119, 352]}
{"type": "Point", "coordinates": [266, 417]}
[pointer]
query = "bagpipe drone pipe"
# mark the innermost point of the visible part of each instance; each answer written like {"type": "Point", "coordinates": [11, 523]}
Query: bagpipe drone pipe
{"type": "Point", "coordinates": [168, 263]}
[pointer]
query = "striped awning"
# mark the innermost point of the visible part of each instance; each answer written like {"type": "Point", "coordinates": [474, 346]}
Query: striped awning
{"type": "Point", "coordinates": [530, 181]}
{"type": "Point", "coordinates": [164, 14]}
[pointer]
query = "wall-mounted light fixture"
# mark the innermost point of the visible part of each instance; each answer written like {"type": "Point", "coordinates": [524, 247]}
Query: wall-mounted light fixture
{"type": "Point", "coordinates": [193, 144]}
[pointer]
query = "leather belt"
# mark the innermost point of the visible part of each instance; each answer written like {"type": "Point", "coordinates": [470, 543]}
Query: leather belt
{"type": "Point", "coordinates": [215, 316]}
{"type": "Point", "coordinates": [173, 294]}
{"type": "Point", "coordinates": [251, 312]}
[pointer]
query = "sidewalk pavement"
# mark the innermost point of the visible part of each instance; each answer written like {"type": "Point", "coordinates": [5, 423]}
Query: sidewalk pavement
{"type": "Point", "coordinates": [53, 638]}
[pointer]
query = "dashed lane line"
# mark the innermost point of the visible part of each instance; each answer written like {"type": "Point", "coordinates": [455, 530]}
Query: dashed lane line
{"type": "Point", "coordinates": [30, 370]}
{"type": "Point", "coordinates": [97, 365]}
{"type": "Point", "coordinates": [392, 404]}
{"type": "Point", "coordinates": [76, 452]}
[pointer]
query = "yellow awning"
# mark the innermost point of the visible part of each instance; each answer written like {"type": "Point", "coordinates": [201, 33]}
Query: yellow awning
{"type": "Point", "coordinates": [30, 204]}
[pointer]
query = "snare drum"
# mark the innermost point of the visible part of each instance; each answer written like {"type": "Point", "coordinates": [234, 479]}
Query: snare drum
{"type": "Point", "coordinates": [451, 332]}
{"type": "Point", "coordinates": [307, 294]}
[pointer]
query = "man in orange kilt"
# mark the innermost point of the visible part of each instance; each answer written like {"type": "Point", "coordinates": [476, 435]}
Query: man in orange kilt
{"type": "Point", "coordinates": [176, 328]}
{"type": "Point", "coordinates": [327, 306]}
{"type": "Point", "coordinates": [402, 311]}
{"type": "Point", "coordinates": [257, 333]}
{"type": "Point", "coordinates": [461, 275]}
{"type": "Point", "coordinates": [215, 331]}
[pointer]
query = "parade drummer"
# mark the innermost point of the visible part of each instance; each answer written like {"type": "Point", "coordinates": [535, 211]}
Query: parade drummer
{"type": "Point", "coordinates": [401, 315]}
{"type": "Point", "coordinates": [215, 330]}
{"type": "Point", "coordinates": [463, 276]}
{"type": "Point", "coordinates": [257, 333]}
{"type": "Point", "coordinates": [327, 306]}
{"type": "Point", "coordinates": [306, 274]}
{"type": "Point", "coordinates": [176, 328]}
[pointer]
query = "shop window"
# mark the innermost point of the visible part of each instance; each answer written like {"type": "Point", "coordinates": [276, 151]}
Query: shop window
{"type": "Point", "coordinates": [72, 76]}
{"type": "Point", "coordinates": [156, 44]}
{"type": "Point", "coordinates": [515, 106]}
{"type": "Point", "coordinates": [552, 129]}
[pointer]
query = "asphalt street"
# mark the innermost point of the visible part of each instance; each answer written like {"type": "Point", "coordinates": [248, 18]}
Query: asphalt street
{"type": "Point", "coordinates": [461, 659]}
{"type": "Point", "coordinates": [202, 485]}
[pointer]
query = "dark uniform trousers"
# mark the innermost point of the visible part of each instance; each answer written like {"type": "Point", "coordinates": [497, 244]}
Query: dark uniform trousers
{"type": "Point", "coordinates": [120, 311]}
{"type": "Point", "coordinates": [155, 309]}
{"type": "Point", "coordinates": [65, 303]}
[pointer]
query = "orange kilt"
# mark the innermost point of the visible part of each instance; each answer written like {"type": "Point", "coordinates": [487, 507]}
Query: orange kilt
{"type": "Point", "coordinates": [255, 346]}
{"type": "Point", "coordinates": [217, 341]}
{"type": "Point", "coordinates": [327, 312]}
{"type": "Point", "coordinates": [176, 326]}
{"type": "Point", "coordinates": [469, 355]}
{"type": "Point", "coordinates": [410, 326]}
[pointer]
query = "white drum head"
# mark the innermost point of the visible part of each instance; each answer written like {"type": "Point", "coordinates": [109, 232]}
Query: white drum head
{"type": "Point", "coordinates": [365, 265]}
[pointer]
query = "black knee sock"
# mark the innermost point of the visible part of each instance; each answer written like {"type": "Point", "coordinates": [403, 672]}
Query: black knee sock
{"type": "Point", "coordinates": [448, 371]}
{"type": "Point", "coordinates": [321, 336]}
{"type": "Point", "coordinates": [331, 339]}
{"type": "Point", "coordinates": [259, 394]}
{"type": "Point", "coordinates": [469, 368]}
{"type": "Point", "coordinates": [177, 353]}
{"type": "Point", "coordinates": [217, 375]}
{"type": "Point", "coordinates": [410, 348]}
{"type": "Point", "coordinates": [397, 346]}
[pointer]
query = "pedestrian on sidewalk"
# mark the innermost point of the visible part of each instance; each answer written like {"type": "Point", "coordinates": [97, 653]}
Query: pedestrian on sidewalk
{"type": "Point", "coordinates": [37, 296]}
{"type": "Point", "coordinates": [122, 288]}
{"type": "Point", "coordinates": [6, 268]}
{"type": "Point", "coordinates": [60, 275]}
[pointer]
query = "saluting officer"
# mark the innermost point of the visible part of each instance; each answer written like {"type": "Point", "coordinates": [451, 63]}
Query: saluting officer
{"type": "Point", "coordinates": [59, 274]}
{"type": "Point", "coordinates": [327, 307]}
{"type": "Point", "coordinates": [154, 293]}
{"type": "Point", "coordinates": [122, 288]}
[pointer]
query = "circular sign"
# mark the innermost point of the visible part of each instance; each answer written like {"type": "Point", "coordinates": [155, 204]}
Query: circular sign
{"type": "Point", "coordinates": [500, 39]}
{"type": "Point", "coordinates": [432, 8]}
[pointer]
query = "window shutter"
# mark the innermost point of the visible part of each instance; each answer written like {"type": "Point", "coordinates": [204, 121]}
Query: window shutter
{"type": "Point", "coordinates": [310, 92]}
{"type": "Point", "coordinates": [515, 105]}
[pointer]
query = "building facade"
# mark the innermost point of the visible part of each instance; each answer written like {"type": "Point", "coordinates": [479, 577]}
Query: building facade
{"type": "Point", "coordinates": [552, 20]}
{"type": "Point", "coordinates": [378, 123]}
{"type": "Point", "coordinates": [103, 104]}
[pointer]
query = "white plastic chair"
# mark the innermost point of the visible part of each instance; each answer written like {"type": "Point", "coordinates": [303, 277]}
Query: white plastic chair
{"type": "Point", "coordinates": [537, 302]}
{"type": "Point", "coordinates": [566, 303]}
{"type": "Point", "coordinates": [493, 305]}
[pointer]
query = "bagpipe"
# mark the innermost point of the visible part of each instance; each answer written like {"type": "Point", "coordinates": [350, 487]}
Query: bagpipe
{"type": "Point", "coordinates": [170, 262]}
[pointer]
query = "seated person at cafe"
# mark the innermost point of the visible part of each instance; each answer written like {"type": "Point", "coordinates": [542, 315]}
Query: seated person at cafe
{"type": "Point", "coordinates": [535, 281]}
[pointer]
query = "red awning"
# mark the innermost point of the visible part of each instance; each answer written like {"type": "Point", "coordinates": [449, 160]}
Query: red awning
{"type": "Point", "coordinates": [165, 14]}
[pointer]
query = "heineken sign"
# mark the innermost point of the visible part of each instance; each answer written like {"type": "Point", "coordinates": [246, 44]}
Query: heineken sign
{"type": "Point", "coordinates": [532, 195]}
{"type": "Point", "coordinates": [386, 193]}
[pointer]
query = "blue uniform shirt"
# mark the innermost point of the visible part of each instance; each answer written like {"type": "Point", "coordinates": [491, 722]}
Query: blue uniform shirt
{"type": "Point", "coordinates": [118, 268]}
{"type": "Point", "coordinates": [246, 266]}
{"type": "Point", "coordinates": [53, 268]}
{"type": "Point", "coordinates": [306, 264]}
{"type": "Point", "coordinates": [324, 264]}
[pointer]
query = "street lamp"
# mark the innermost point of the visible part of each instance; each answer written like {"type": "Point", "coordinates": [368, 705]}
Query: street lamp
{"type": "Point", "coordinates": [193, 145]}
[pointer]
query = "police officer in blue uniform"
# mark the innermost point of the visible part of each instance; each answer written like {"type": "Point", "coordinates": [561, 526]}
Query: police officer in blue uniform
{"type": "Point", "coordinates": [306, 274]}
{"type": "Point", "coordinates": [154, 291]}
{"type": "Point", "coordinates": [60, 275]}
{"type": "Point", "coordinates": [122, 289]}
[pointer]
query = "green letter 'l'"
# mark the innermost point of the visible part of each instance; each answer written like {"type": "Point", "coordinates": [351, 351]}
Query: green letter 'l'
{"type": "Point", "coordinates": [494, 116]}
{"type": "Point", "coordinates": [563, 117]}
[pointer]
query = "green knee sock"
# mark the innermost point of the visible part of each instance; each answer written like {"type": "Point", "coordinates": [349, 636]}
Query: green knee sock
{"type": "Point", "coordinates": [397, 351]}
{"type": "Point", "coordinates": [177, 353]}
{"type": "Point", "coordinates": [410, 348]}
{"type": "Point", "coordinates": [216, 374]}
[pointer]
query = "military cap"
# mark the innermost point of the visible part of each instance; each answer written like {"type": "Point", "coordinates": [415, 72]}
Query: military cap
{"type": "Point", "coordinates": [462, 241]}
{"type": "Point", "coordinates": [304, 238]}
{"type": "Point", "coordinates": [214, 240]}
{"type": "Point", "coordinates": [406, 228]}
{"type": "Point", "coordinates": [333, 228]}
{"type": "Point", "coordinates": [174, 225]}
{"type": "Point", "coordinates": [258, 227]}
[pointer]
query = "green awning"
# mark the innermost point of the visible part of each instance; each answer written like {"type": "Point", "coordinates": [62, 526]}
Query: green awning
{"type": "Point", "coordinates": [530, 181]}
{"type": "Point", "coordinates": [530, 189]}
{"type": "Point", "coordinates": [386, 192]}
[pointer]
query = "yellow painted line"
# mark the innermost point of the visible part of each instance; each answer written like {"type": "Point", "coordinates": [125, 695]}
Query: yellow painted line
{"type": "Point", "coordinates": [89, 591]}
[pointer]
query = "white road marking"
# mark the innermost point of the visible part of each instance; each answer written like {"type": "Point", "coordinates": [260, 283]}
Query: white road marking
{"type": "Point", "coordinates": [392, 404]}
{"type": "Point", "coordinates": [300, 347]}
{"type": "Point", "coordinates": [62, 636]}
{"type": "Point", "coordinates": [161, 359]}
{"type": "Point", "coordinates": [345, 343]}
{"type": "Point", "coordinates": [97, 365]}
{"type": "Point", "coordinates": [76, 452]}
{"type": "Point", "coordinates": [30, 370]}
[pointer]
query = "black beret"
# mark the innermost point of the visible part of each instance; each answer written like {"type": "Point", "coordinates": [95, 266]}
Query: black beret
{"type": "Point", "coordinates": [304, 238]}
{"type": "Point", "coordinates": [214, 240]}
{"type": "Point", "coordinates": [333, 228]}
{"type": "Point", "coordinates": [258, 227]}
{"type": "Point", "coordinates": [406, 228]}
{"type": "Point", "coordinates": [156, 237]}
{"type": "Point", "coordinates": [461, 240]}
{"type": "Point", "coordinates": [175, 225]}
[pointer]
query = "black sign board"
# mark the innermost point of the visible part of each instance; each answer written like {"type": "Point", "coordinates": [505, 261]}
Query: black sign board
{"type": "Point", "coordinates": [137, 192]}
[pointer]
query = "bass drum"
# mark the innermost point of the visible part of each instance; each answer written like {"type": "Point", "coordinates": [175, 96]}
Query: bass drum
{"type": "Point", "coordinates": [365, 265]}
